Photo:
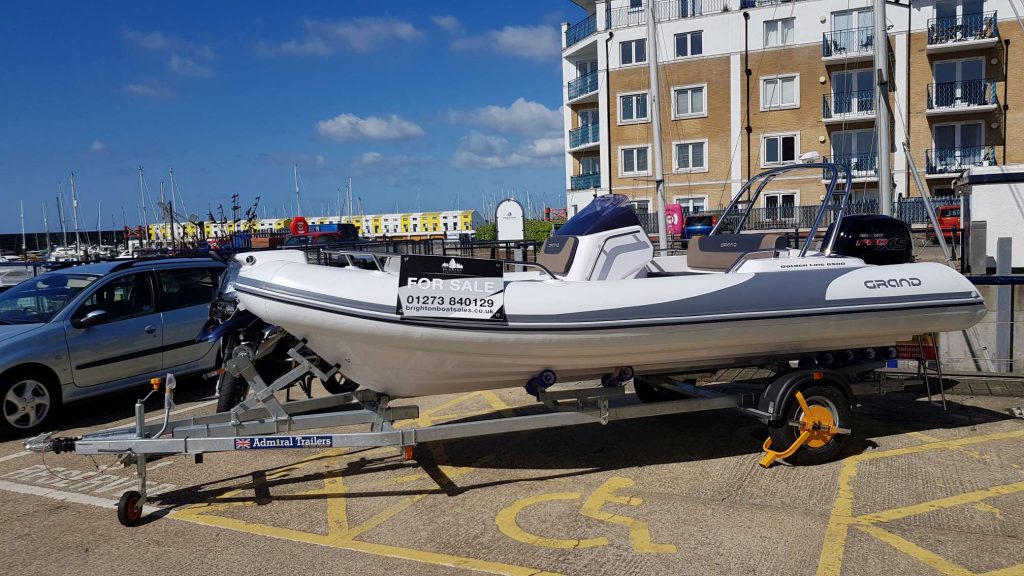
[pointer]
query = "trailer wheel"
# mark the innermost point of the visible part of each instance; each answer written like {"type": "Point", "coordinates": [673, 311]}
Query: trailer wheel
{"type": "Point", "coordinates": [648, 392]}
{"type": "Point", "coordinates": [128, 510]}
{"type": "Point", "coordinates": [231, 390]}
{"type": "Point", "coordinates": [820, 448]}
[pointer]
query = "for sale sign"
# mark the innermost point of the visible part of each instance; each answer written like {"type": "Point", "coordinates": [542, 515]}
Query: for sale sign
{"type": "Point", "coordinates": [452, 288]}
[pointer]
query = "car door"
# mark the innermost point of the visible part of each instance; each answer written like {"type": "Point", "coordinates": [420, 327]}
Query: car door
{"type": "Point", "coordinates": [127, 343]}
{"type": "Point", "coordinates": [184, 298]}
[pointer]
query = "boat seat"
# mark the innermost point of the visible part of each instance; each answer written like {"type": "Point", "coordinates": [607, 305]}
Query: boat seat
{"type": "Point", "coordinates": [721, 251]}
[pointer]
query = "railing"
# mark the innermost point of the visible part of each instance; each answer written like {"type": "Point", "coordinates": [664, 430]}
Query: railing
{"type": "Point", "coordinates": [583, 85]}
{"type": "Point", "coordinates": [848, 104]}
{"type": "Point", "coordinates": [977, 26]}
{"type": "Point", "coordinates": [964, 94]}
{"type": "Point", "coordinates": [847, 42]}
{"type": "Point", "coordinates": [586, 134]}
{"type": "Point", "coordinates": [914, 211]}
{"type": "Point", "coordinates": [622, 17]}
{"type": "Point", "coordinates": [757, 3]}
{"type": "Point", "coordinates": [581, 30]}
{"type": "Point", "coordinates": [860, 165]}
{"type": "Point", "coordinates": [665, 10]}
{"type": "Point", "coordinates": [585, 181]}
{"type": "Point", "coordinates": [952, 160]}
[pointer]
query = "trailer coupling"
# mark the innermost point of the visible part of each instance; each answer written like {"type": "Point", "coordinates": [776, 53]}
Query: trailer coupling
{"type": "Point", "coordinates": [46, 443]}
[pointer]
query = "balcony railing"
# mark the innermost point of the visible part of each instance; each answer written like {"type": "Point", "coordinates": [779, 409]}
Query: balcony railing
{"type": "Point", "coordinates": [581, 30]}
{"type": "Point", "coordinates": [622, 17]}
{"type": "Point", "coordinates": [756, 3]}
{"type": "Point", "coordinates": [955, 160]}
{"type": "Point", "coordinates": [965, 94]}
{"type": "Point", "coordinates": [848, 104]}
{"type": "Point", "coordinates": [583, 85]}
{"type": "Point", "coordinates": [860, 165]}
{"type": "Point", "coordinates": [587, 134]}
{"type": "Point", "coordinates": [977, 26]}
{"type": "Point", "coordinates": [848, 42]}
{"type": "Point", "coordinates": [665, 10]}
{"type": "Point", "coordinates": [585, 181]}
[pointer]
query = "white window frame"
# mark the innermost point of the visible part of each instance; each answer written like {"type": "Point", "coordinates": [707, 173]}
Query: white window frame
{"type": "Point", "coordinates": [780, 135]}
{"type": "Point", "coordinates": [689, 205]}
{"type": "Point", "coordinates": [779, 194]}
{"type": "Point", "coordinates": [778, 22]}
{"type": "Point", "coordinates": [689, 44]}
{"type": "Point", "coordinates": [958, 132]}
{"type": "Point", "coordinates": [675, 157]}
{"type": "Point", "coordinates": [643, 120]}
{"type": "Point", "coordinates": [622, 149]}
{"type": "Point", "coordinates": [796, 92]}
{"type": "Point", "coordinates": [675, 112]}
{"type": "Point", "coordinates": [632, 49]}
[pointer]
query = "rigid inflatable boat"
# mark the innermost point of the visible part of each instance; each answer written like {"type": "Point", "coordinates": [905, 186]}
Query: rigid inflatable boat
{"type": "Point", "coordinates": [599, 301]}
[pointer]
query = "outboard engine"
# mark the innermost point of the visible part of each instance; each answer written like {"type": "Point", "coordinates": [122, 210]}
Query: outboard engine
{"type": "Point", "coordinates": [874, 238]}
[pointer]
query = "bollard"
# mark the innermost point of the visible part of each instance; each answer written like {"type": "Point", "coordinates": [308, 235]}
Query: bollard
{"type": "Point", "coordinates": [1004, 307]}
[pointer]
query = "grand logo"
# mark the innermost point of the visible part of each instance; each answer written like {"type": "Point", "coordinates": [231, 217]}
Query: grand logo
{"type": "Point", "coordinates": [892, 283]}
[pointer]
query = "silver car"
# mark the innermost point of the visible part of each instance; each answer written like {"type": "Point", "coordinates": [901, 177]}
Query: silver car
{"type": "Point", "coordinates": [94, 329]}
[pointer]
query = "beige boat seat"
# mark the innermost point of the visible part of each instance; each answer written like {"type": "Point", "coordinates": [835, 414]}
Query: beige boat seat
{"type": "Point", "coordinates": [721, 251]}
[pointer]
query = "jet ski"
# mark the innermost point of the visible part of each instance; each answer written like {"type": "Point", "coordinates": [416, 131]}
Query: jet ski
{"type": "Point", "coordinates": [599, 302]}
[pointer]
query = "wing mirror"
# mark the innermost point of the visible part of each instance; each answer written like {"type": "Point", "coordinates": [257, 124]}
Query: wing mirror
{"type": "Point", "coordinates": [91, 319]}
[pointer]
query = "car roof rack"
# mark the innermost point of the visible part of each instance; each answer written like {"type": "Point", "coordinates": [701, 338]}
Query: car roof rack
{"type": "Point", "coordinates": [151, 259]}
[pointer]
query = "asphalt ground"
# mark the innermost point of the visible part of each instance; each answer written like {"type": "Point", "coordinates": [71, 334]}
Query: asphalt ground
{"type": "Point", "coordinates": [918, 492]}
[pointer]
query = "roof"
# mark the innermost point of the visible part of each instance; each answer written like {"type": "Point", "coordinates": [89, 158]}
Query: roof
{"type": "Point", "coordinates": [104, 268]}
{"type": "Point", "coordinates": [587, 5]}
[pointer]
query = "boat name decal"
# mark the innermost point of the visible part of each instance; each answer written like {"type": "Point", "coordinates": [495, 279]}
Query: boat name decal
{"type": "Point", "coordinates": [814, 264]}
{"type": "Point", "coordinates": [892, 283]}
{"type": "Point", "coordinates": [259, 442]}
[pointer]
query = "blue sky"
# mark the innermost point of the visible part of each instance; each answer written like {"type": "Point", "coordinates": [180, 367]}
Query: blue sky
{"type": "Point", "coordinates": [427, 100]}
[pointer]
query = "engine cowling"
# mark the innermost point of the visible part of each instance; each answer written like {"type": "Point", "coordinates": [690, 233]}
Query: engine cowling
{"type": "Point", "coordinates": [875, 239]}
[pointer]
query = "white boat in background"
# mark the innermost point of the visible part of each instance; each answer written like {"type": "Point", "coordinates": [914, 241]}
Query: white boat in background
{"type": "Point", "coordinates": [604, 304]}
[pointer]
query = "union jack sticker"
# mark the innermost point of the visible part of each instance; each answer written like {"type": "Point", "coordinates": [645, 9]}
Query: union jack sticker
{"type": "Point", "coordinates": [243, 443]}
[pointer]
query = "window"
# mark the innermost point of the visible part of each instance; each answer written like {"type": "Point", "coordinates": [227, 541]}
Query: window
{"type": "Point", "coordinates": [780, 205]}
{"type": "Point", "coordinates": [689, 44]}
{"type": "Point", "coordinates": [590, 165]}
{"type": "Point", "coordinates": [187, 287]}
{"type": "Point", "coordinates": [779, 148]}
{"type": "Point", "coordinates": [641, 206]}
{"type": "Point", "coordinates": [633, 161]}
{"type": "Point", "coordinates": [633, 52]}
{"type": "Point", "coordinates": [588, 116]}
{"type": "Point", "coordinates": [688, 102]}
{"type": "Point", "coordinates": [778, 32]}
{"type": "Point", "coordinates": [636, 4]}
{"type": "Point", "coordinates": [780, 92]}
{"type": "Point", "coordinates": [857, 150]}
{"type": "Point", "coordinates": [853, 92]}
{"type": "Point", "coordinates": [633, 107]}
{"type": "Point", "coordinates": [121, 298]}
{"type": "Point", "coordinates": [690, 156]}
{"type": "Point", "coordinates": [692, 204]}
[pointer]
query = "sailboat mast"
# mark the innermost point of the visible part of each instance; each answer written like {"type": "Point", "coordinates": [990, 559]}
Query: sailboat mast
{"type": "Point", "coordinates": [142, 193]}
{"type": "Point", "coordinates": [349, 199]}
{"type": "Point", "coordinates": [295, 176]}
{"type": "Point", "coordinates": [60, 214]}
{"type": "Point", "coordinates": [654, 107]}
{"type": "Point", "coordinates": [74, 208]}
{"type": "Point", "coordinates": [882, 118]}
{"type": "Point", "coordinates": [24, 247]}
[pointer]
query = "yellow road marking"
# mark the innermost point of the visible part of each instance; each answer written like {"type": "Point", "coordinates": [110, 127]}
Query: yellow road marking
{"type": "Point", "coordinates": [639, 533]}
{"type": "Point", "coordinates": [506, 521]}
{"type": "Point", "coordinates": [928, 557]}
{"type": "Point", "coordinates": [831, 559]}
{"type": "Point", "coordinates": [982, 507]}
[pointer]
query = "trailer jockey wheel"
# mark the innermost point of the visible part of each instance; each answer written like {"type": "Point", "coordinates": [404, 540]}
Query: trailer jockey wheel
{"type": "Point", "coordinates": [129, 512]}
{"type": "Point", "coordinates": [826, 418]}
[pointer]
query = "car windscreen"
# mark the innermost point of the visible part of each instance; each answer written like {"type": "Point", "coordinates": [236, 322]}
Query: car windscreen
{"type": "Point", "coordinates": [40, 299]}
{"type": "Point", "coordinates": [698, 220]}
{"type": "Point", "coordinates": [297, 241]}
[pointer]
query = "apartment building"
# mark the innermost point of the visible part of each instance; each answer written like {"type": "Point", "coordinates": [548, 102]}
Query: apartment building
{"type": "Point", "coordinates": [750, 84]}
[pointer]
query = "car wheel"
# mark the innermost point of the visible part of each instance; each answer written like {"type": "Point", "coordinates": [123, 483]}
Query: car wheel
{"type": "Point", "coordinates": [30, 401]}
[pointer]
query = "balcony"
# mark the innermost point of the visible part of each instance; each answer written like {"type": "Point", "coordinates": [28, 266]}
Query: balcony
{"type": "Point", "coordinates": [585, 181]}
{"type": "Point", "coordinates": [583, 86]}
{"type": "Point", "coordinates": [581, 30]}
{"type": "Point", "coordinates": [863, 167]}
{"type": "Point", "coordinates": [853, 45]}
{"type": "Point", "coordinates": [848, 107]}
{"type": "Point", "coordinates": [623, 17]}
{"type": "Point", "coordinates": [967, 32]}
{"type": "Point", "coordinates": [664, 11]}
{"type": "Point", "coordinates": [952, 161]}
{"type": "Point", "coordinates": [962, 97]}
{"type": "Point", "coordinates": [584, 136]}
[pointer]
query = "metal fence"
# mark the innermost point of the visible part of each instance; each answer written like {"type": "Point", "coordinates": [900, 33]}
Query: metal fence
{"type": "Point", "coordinates": [581, 30]}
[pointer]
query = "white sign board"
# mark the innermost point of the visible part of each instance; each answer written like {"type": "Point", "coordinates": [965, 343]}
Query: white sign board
{"type": "Point", "coordinates": [508, 219]}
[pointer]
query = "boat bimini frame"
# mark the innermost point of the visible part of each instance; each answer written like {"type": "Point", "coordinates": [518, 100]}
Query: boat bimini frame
{"type": "Point", "coordinates": [834, 203]}
{"type": "Point", "coordinates": [262, 421]}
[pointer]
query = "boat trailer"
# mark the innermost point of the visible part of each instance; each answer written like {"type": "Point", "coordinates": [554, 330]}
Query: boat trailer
{"type": "Point", "coordinates": [261, 421]}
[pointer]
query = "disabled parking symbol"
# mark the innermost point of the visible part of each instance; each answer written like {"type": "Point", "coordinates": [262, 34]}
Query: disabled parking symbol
{"type": "Point", "coordinates": [593, 507]}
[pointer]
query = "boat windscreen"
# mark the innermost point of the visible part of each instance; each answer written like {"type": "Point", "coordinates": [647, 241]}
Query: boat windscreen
{"type": "Point", "coordinates": [607, 212]}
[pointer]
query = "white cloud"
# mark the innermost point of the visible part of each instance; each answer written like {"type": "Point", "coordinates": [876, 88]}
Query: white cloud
{"type": "Point", "coordinates": [98, 147]}
{"type": "Point", "coordinates": [157, 41]}
{"type": "Point", "coordinates": [449, 23]}
{"type": "Point", "coordinates": [481, 151]}
{"type": "Point", "coordinates": [147, 90]}
{"type": "Point", "coordinates": [532, 42]}
{"type": "Point", "coordinates": [292, 158]}
{"type": "Point", "coordinates": [188, 67]}
{"type": "Point", "coordinates": [349, 127]}
{"type": "Point", "coordinates": [374, 162]}
{"type": "Point", "coordinates": [523, 117]}
{"type": "Point", "coordinates": [546, 147]}
{"type": "Point", "coordinates": [322, 37]}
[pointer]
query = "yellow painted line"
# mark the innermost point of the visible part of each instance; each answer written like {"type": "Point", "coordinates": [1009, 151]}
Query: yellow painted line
{"type": "Point", "coordinates": [925, 437]}
{"type": "Point", "coordinates": [939, 504]}
{"type": "Point", "coordinates": [982, 507]}
{"type": "Point", "coordinates": [639, 533]}
{"type": "Point", "coordinates": [927, 557]}
{"type": "Point", "coordinates": [940, 445]}
{"type": "Point", "coordinates": [1008, 571]}
{"type": "Point", "coordinates": [506, 521]}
